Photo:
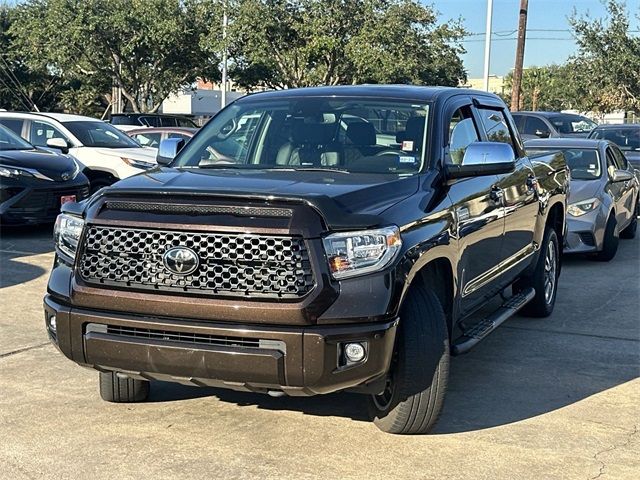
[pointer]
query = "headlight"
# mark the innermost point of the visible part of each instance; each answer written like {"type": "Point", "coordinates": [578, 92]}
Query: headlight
{"type": "Point", "coordinates": [138, 163]}
{"type": "Point", "coordinates": [583, 207]}
{"type": "Point", "coordinates": [66, 234]}
{"type": "Point", "coordinates": [358, 253]}
{"type": "Point", "coordinates": [13, 172]}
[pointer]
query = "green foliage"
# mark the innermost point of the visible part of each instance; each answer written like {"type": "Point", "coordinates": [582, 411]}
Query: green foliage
{"type": "Point", "coordinates": [150, 49]}
{"type": "Point", "coordinates": [607, 63]}
{"type": "Point", "coordinates": [551, 87]}
{"type": "Point", "coordinates": [289, 43]}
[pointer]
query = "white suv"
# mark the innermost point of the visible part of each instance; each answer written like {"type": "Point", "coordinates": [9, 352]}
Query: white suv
{"type": "Point", "coordinates": [107, 154]}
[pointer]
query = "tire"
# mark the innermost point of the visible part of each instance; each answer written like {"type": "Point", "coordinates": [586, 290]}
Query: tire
{"type": "Point", "coordinates": [122, 390]}
{"type": "Point", "coordinates": [544, 279]}
{"type": "Point", "coordinates": [611, 240]}
{"type": "Point", "coordinates": [414, 396]}
{"type": "Point", "coordinates": [630, 232]}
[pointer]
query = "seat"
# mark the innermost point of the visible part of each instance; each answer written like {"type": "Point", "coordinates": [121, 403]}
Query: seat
{"type": "Point", "coordinates": [310, 145]}
{"type": "Point", "coordinates": [360, 141]}
{"type": "Point", "coordinates": [413, 132]}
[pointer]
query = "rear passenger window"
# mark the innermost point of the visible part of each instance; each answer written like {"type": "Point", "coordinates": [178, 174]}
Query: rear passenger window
{"type": "Point", "coordinates": [41, 132]}
{"type": "Point", "coordinates": [15, 125]}
{"type": "Point", "coordinates": [462, 133]}
{"type": "Point", "coordinates": [535, 126]}
{"type": "Point", "coordinates": [495, 125]}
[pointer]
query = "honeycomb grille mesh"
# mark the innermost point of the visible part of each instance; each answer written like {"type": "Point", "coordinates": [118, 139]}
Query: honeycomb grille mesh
{"type": "Point", "coordinates": [229, 264]}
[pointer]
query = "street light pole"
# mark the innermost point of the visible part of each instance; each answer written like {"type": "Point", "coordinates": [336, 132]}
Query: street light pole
{"type": "Point", "coordinates": [487, 44]}
{"type": "Point", "coordinates": [223, 93]}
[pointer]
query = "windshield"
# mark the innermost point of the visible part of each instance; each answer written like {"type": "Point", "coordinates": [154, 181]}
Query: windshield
{"type": "Point", "coordinates": [100, 134]}
{"type": "Point", "coordinates": [11, 141]}
{"type": "Point", "coordinates": [347, 133]}
{"type": "Point", "coordinates": [572, 124]}
{"type": "Point", "coordinates": [627, 139]}
{"type": "Point", "coordinates": [584, 163]}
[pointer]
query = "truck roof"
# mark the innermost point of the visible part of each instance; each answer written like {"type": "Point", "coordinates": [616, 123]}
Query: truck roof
{"type": "Point", "coordinates": [409, 92]}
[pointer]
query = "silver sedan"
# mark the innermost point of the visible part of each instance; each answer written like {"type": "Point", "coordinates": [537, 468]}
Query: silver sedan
{"type": "Point", "coordinates": [603, 198]}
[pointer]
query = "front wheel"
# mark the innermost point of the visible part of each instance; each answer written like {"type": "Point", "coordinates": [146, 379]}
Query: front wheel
{"type": "Point", "coordinates": [414, 394]}
{"type": "Point", "coordinates": [122, 390]}
{"type": "Point", "coordinates": [544, 279]}
{"type": "Point", "coordinates": [630, 232]}
{"type": "Point", "coordinates": [610, 242]}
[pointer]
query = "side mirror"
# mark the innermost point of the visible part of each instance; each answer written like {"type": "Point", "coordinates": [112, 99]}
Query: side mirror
{"type": "Point", "coordinates": [168, 149]}
{"type": "Point", "coordinates": [543, 133]}
{"type": "Point", "coordinates": [484, 158]}
{"type": "Point", "coordinates": [621, 176]}
{"type": "Point", "coordinates": [59, 143]}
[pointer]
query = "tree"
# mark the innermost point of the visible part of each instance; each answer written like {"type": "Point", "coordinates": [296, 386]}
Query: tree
{"type": "Point", "coordinates": [546, 88]}
{"type": "Point", "coordinates": [298, 43]}
{"type": "Point", "coordinates": [149, 50]}
{"type": "Point", "coordinates": [607, 62]}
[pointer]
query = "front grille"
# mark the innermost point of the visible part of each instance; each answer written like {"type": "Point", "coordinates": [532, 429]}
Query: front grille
{"type": "Point", "coordinates": [229, 264]}
{"type": "Point", "coordinates": [48, 200]}
{"type": "Point", "coordinates": [187, 337]}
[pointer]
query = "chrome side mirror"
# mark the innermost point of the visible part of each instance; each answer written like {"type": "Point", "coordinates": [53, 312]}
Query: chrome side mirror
{"type": "Point", "coordinates": [621, 176]}
{"type": "Point", "coordinates": [168, 149]}
{"type": "Point", "coordinates": [484, 158]}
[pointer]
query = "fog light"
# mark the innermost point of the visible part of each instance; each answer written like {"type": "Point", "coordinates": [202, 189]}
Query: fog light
{"type": "Point", "coordinates": [52, 323]}
{"type": "Point", "coordinates": [354, 352]}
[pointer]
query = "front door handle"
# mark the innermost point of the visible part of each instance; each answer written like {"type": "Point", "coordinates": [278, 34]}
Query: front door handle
{"type": "Point", "coordinates": [496, 194]}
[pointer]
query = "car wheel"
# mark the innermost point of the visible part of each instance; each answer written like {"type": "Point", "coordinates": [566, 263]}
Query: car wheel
{"type": "Point", "coordinates": [122, 390]}
{"type": "Point", "coordinates": [544, 279]}
{"type": "Point", "coordinates": [630, 231]}
{"type": "Point", "coordinates": [414, 394]}
{"type": "Point", "coordinates": [610, 242]}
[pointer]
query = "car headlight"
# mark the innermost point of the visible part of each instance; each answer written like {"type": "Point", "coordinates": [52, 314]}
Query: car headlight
{"type": "Point", "coordinates": [583, 207]}
{"type": "Point", "coordinates": [357, 253]}
{"type": "Point", "coordinates": [13, 172]}
{"type": "Point", "coordinates": [66, 234]}
{"type": "Point", "coordinates": [138, 163]}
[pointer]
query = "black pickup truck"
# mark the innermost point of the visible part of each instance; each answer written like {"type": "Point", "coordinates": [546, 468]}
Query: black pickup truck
{"type": "Point", "coordinates": [314, 240]}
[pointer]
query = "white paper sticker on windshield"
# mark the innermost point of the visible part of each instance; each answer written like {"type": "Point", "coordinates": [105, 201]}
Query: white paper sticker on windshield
{"type": "Point", "coordinates": [407, 145]}
{"type": "Point", "coordinates": [407, 159]}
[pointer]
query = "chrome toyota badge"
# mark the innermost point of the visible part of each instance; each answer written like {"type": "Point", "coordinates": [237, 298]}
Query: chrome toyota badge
{"type": "Point", "coordinates": [180, 260]}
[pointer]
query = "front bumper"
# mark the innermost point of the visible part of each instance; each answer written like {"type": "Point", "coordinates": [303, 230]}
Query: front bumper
{"type": "Point", "coordinates": [585, 234]}
{"type": "Point", "coordinates": [295, 360]}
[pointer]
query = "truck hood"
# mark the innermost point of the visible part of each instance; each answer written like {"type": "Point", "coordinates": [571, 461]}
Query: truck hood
{"type": "Point", "coordinates": [345, 200]}
{"type": "Point", "coordinates": [584, 189]}
{"type": "Point", "coordinates": [51, 164]}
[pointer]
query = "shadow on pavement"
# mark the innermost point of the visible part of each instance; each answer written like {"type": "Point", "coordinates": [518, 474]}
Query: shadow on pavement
{"type": "Point", "coordinates": [34, 239]}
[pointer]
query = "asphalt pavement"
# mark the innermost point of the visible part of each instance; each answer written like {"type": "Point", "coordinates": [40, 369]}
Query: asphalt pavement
{"type": "Point", "coordinates": [557, 398]}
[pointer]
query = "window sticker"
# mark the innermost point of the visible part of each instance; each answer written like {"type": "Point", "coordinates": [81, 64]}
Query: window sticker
{"type": "Point", "coordinates": [407, 145]}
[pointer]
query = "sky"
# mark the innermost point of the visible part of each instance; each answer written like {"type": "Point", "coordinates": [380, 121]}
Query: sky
{"type": "Point", "coordinates": [549, 15]}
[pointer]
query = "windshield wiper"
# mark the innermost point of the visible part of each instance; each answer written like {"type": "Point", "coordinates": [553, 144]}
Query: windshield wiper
{"type": "Point", "coordinates": [316, 169]}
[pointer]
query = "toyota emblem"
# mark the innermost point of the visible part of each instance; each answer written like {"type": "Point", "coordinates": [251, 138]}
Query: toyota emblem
{"type": "Point", "coordinates": [180, 260]}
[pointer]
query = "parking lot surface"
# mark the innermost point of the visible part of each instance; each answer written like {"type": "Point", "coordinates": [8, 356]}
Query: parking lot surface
{"type": "Point", "coordinates": [539, 399]}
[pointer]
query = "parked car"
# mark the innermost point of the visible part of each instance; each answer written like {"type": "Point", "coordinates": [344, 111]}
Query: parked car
{"type": "Point", "coordinates": [533, 125]}
{"type": "Point", "coordinates": [152, 120]}
{"type": "Point", "coordinates": [151, 137]}
{"type": "Point", "coordinates": [106, 153]}
{"type": "Point", "coordinates": [319, 257]}
{"type": "Point", "coordinates": [626, 137]}
{"type": "Point", "coordinates": [35, 183]}
{"type": "Point", "coordinates": [603, 199]}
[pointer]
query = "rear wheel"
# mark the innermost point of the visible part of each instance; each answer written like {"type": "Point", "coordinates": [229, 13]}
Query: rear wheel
{"type": "Point", "coordinates": [630, 231]}
{"type": "Point", "coordinates": [544, 279]}
{"type": "Point", "coordinates": [122, 390]}
{"type": "Point", "coordinates": [611, 240]}
{"type": "Point", "coordinates": [414, 394]}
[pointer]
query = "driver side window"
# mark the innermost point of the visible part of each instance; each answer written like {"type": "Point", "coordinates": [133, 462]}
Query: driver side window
{"type": "Point", "coordinates": [462, 133]}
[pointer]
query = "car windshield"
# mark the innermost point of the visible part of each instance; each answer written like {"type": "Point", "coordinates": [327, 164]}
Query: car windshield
{"type": "Point", "coordinates": [626, 138]}
{"type": "Point", "coordinates": [349, 134]}
{"type": "Point", "coordinates": [11, 141]}
{"type": "Point", "coordinates": [584, 163]}
{"type": "Point", "coordinates": [572, 124]}
{"type": "Point", "coordinates": [100, 134]}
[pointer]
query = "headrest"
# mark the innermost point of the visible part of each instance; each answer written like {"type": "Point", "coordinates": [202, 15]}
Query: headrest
{"type": "Point", "coordinates": [311, 133]}
{"type": "Point", "coordinates": [361, 133]}
{"type": "Point", "coordinates": [414, 130]}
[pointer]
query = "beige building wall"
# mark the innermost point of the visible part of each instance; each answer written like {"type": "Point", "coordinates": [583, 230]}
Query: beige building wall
{"type": "Point", "coordinates": [496, 84]}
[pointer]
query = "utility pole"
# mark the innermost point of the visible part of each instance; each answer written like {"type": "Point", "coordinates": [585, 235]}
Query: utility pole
{"type": "Point", "coordinates": [517, 71]}
{"type": "Point", "coordinates": [487, 44]}
{"type": "Point", "coordinates": [225, 22]}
